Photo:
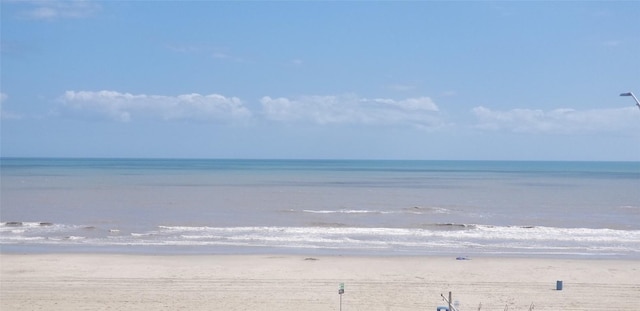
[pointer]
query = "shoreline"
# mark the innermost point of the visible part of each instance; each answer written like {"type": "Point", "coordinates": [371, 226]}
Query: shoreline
{"type": "Point", "coordinates": [12, 250]}
{"type": "Point", "coordinates": [310, 282]}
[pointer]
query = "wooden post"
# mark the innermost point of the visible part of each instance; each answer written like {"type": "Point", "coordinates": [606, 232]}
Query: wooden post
{"type": "Point", "coordinates": [449, 301]}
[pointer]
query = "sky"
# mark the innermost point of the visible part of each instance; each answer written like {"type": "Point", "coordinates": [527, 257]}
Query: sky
{"type": "Point", "coordinates": [432, 80]}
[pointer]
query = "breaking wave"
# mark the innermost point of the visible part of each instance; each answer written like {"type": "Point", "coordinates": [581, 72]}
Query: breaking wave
{"type": "Point", "coordinates": [337, 237]}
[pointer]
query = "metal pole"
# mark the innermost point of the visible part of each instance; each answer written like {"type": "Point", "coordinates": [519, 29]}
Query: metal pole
{"type": "Point", "coordinates": [634, 97]}
{"type": "Point", "coordinates": [340, 292]}
{"type": "Point", "coordinates": [451, 307]}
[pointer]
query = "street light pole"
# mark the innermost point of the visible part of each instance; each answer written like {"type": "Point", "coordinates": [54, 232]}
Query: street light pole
{"type": "Point", "coordinates": [634, 97]}
{"type": "Point", "coordinates": [340, 292]}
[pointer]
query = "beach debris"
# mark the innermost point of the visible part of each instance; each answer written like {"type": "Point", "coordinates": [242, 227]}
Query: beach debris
{"type": "Point", "coordinates": [311, 258]}
{"type": "Point", "coordinates": [462, 258]}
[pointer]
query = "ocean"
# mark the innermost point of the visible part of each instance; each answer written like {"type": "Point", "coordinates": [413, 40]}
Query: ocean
{"type": "Point", "coordinates": [331, 207]}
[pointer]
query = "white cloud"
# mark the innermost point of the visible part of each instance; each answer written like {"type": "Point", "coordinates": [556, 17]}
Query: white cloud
{"type": "Point", "coordinates": [558, 120]}
{"type": "Point", "coordinates": [58, 9]}
{"type": "Point", "coordinates": [419, 112]}
{"type": "Point", "coordinates": [350, 109]}
{"type": "Point", "coordinates": [125, 106]}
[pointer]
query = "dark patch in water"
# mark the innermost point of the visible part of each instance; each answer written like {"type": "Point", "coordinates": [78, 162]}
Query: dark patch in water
{"type": "Point", "coordinates": [448, 226]}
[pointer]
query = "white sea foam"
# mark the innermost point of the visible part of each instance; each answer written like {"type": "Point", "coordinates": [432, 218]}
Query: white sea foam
{"type": "Point", "coordinates": [134, 234]}
{"type": "Point", "coordinates": [346, 211]}
{"type": "Point", "coordinates": [18, 226]}
{"type": "Point", "coordinates": [21, 238]}
{"type": "Point", "coordinates": [419, 210]}
{"type": "Point", "coordinates": [439, 237]}
{"type": "Point", "coordinates": [75, 238]}
{"type": "Point", "coordinates": [477, 237]}
{"type": "Point", "coordinates": [413, 210]}
{"type": "Point", "coordinates": [428, 238]}
{"type": "Point", "coordinates": [29, 228]}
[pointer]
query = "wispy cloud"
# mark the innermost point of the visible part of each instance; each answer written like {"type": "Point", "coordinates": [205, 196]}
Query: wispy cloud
{"type": "Point", "coordinates": [401, 87]}
{"type": "Point", "coordinates": [351, 109]}
{"type": "Point", "coordinates": [4, 114]}
{"type": "Point", "coordinates": [220, 55]}
{"type": "Point", "coordinates": [60, 9]}
{"type": "Point", "coordinates": [558, 120]}
{"type": "Point", "coordinates": [184, 48]}
{"type": "Point", "coordinates": [612, 43]}
{"type": "Point", "coordinates": [15, 48]}
{"type": "Point", "coordinates": [125, 107]}
{"type": "Point", "coordinates": [217, 53]}
{"type": "Point", "coordinates": [296, 62]}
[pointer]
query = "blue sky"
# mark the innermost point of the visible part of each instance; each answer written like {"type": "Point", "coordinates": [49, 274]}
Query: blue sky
{"type": "Point", "coordinates": [349, 80]}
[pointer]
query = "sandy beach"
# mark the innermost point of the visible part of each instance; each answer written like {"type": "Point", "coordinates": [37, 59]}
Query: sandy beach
{"type": "Point", "coordinates": [263, 282]}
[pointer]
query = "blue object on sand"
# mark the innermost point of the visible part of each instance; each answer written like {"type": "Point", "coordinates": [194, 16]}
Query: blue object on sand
{"type": "Point", "coordinates": [462, 258]}
{"type": "Point", "coordinates": [442, 308]}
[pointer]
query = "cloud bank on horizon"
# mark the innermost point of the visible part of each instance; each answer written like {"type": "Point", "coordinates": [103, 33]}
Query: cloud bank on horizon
{"type": "Point", "coordinates": [125, 106]}
{"type": "Point", "coordinates": [421, 113]}
{"type": "Point", "coordinates": [407, 80]}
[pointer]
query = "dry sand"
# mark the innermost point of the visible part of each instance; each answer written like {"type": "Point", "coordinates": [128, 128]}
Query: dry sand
{"type": "Point", "coordinates": [254, 282]}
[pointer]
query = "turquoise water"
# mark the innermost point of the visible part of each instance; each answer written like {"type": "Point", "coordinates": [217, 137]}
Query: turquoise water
{"type": "Point", "coordinates": [569, 209]}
